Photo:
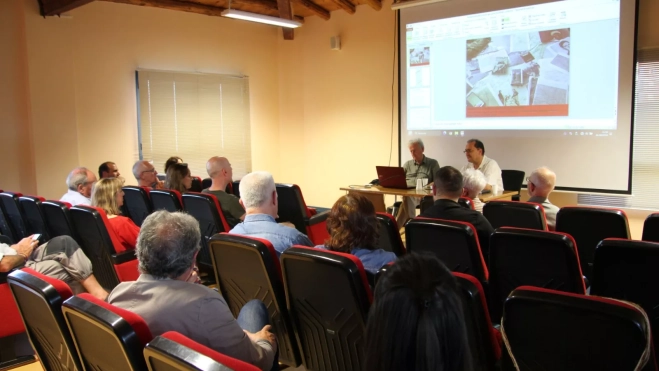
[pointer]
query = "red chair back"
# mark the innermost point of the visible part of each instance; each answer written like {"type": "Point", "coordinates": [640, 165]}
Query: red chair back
{"type": "Point", "coordinates": [106, 337]}
{"type": "Point", "coordinates": [39, 299]}
{"type": "Point", "coordinates": [258, 276]}
{"type": "Point", "coordinates": [389, 239]}
{"type": "Point", "coordinates": [554, 330]}
{"type": "Point", "coordinates": [173, 351]}
{"type": "Point", "coordinates": [454, 243]}
{"type": "Point", "coordinates": [100, 244]}
{"type": "Point", "coordinates": [328, 297]}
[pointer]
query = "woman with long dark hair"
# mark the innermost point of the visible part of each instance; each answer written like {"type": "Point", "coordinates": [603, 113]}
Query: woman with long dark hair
{"type": "Point", "coordinates": [416, 320]}
{"type": "Point", "coordinates": [178, 178]}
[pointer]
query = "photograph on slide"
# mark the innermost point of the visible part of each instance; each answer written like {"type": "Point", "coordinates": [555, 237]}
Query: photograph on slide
{"type": "Point", "coordinates": [520, 74]}
{"type": "Point", "coordinates": [419, 56]}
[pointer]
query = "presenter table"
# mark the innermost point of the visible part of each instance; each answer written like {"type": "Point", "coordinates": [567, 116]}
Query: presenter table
{"type": "Point", "coordinates": [376, 194]}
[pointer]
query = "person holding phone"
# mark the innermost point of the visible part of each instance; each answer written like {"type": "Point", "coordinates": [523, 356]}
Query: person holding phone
{"type": "Point", "coordinates": [60, 258]}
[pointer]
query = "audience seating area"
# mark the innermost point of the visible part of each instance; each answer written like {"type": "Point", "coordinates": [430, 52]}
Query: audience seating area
{"type": "Point", "coordinates": [533, 282]}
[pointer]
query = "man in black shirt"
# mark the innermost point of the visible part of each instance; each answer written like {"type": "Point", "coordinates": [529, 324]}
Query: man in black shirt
{"type": "Point", "coordinates": [447, 189]}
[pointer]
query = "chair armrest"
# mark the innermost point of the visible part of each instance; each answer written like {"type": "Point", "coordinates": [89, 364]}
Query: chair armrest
{"type": "Point", "coordinates": [317, 219]}
{"type": "Point", "coordinates": [123, 257]}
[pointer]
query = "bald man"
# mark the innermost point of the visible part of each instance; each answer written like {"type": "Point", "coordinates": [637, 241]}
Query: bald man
{"type": "Point", "coordinates": [220, 171]}
{"type": "Point", "coordinates": [540, 184]}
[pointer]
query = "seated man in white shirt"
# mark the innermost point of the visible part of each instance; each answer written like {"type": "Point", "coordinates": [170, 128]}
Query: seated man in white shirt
{"type": "Point", "coordinates": [475, 152]}
{"type": "Point", "coordinates": [80, 182]}
{"type": "Point", "coordinates": [474, 182]}
{"type": "Point", "coordinates": [539, 185]}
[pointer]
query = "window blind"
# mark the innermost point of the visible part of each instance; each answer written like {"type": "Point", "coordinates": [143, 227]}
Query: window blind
{"type": "Point", "coordinates": [645, 162]}
{"type": "Point", "coordinates": [194, 116]}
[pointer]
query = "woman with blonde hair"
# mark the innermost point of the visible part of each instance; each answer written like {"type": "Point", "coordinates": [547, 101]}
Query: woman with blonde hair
{"type": "Point", "coordinates": [108, 195]}
{"type": "Point", "coordinates": [178, 178]}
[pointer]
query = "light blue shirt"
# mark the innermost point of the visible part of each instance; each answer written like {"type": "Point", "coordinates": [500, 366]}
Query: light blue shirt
{"type": "Point", "coordinates": [264, 226]}
{"type": "Point", "coordinates": [372, 260]}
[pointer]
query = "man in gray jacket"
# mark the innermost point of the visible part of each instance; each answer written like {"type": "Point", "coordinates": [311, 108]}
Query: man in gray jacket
{"type": "Point", "coordinates": [168, 297]}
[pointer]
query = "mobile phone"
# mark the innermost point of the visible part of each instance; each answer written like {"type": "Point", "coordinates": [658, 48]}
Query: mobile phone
{"type": "Point", "coordinates": [36, 237]}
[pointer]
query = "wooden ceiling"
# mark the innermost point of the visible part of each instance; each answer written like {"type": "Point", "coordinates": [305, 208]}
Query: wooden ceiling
{"type": "Point", "coordinates": [287, 9]}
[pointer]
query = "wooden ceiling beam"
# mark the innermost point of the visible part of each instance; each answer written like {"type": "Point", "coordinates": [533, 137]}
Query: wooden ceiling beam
{"type": "Point", "coordinates": [189, 7]}
{"type": "Point", "coordinates": [375, 4]}
{"type": "Point", "coordinates": [175, 5]}
{"type": "Point", "coordinates": [286, 12]}
{"type": "Point", "coordinates": [56, 7]}
{"type": "Point", "coordinates": [346, 5]}
{"type": "Point", "coordinates": [315, 8]}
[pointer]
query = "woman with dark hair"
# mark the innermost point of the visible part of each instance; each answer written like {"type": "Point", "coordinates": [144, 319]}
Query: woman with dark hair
{"type": "Point", "coordinates": [178, 178]}
{"type": "Point", "coordinates": [416, 320]}
{"type": "Point", "coordinates": [353, 229]}
{"type": "Point", "coordinates": [171, 161]}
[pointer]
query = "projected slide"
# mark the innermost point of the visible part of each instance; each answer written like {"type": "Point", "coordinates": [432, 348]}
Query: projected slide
{"type": "Point", "coordinates": [521, 74]}
{"type": "Point", "coordinates": [551, 66]}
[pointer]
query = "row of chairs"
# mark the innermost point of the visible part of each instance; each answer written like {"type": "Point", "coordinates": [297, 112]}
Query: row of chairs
{"type": "Point", "coordinates": [139, 202]}
{"type": "Point", "coordinates": [323, 324]}
{"type": "Point", "coordinates": [315, 325]}
{"type": "Point", "coordinates": [66, 331]}
{"type": "Point", "coordinates": [622, 268]}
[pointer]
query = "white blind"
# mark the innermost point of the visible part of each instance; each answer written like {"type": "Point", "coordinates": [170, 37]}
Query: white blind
{"type": "Point", "coordinates": [194, 116]}
{"type": "Point", "coordinates": [645, 165]}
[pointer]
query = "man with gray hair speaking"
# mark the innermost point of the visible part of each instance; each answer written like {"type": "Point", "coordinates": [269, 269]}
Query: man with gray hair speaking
{"type": "Point", "coordinates": [168, 297]}
{"type": "Point", "coordinates": [80, 182]}
{"type": "Point", "coordinates": [419, 167]}
{"type": "Point", "coordinates": [540, 184]}
{"type": "Point", "coordinates": [258, 195]}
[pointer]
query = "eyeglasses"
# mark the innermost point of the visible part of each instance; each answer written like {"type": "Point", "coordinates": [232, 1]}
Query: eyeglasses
{"type": "Point", "coordinates": [528, 180]}
{"type": "Point", "coordinates": [149, 171]}
{"type": "Point", "coordinates": [468, 151]}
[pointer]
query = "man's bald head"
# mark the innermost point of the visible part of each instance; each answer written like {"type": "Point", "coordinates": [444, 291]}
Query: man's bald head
{"type": "Point", "coordinates": [215, 165]}
{"type": "Point", "coordinates": [543, 181]}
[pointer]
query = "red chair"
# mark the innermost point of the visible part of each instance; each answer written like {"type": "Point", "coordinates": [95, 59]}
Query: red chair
{"type": "Point", "coordinates": [173, 351]}
{"type": "Point", "coordinates": [137, 204]}
{"type": "Point", "coordinates": [454, 243]}
{"type": "Point", "coordinates": [466, 202]}
{"type": "Point", "coordinates": [58, 219]}
{"type": "Point", "coordinates": [99, 243]}
{"type": "Point", "coordinates": [526, 257]}
{"type": "Point", "coordinates": [208, 212]}
{"type": "Point", "coordinates": [651, 228]}
{"type": "Point", "coordinates": [626, 270]}
{"type": "Point", "coordinates": [106, 337]}
{"type": "Point", "coordinates": [166, 199]}
{"type": "Point", "coordinates": [389, 239]}
{"type": "Point", "coordinates": [328, 297]}
{"type": "Point", "coordinates": [39, 299]}
{"type": "Point", "coordinates": [34, 216]}
{"type": "Point", "coordinates": [590, 225]}
{"type": "Point", "coordinates": [484, 340]}
{"type": "Point", "coordinates": [293, 209]}
{"type": "Point", "coordinates": [196, 184]}
{"type": "Point", "coordinates": [10, 318]}
{"type": "Point", "coordinates": [517, 214]}
{"type": "Point", "coordinates": [258, 276]}
{"type": "Point", "coordinates": [552, 330]}
{"type": "Point", "coordinates": [14, 214]}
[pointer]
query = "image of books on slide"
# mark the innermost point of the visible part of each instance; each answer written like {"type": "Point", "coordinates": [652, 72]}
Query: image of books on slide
{"type": "Point", "coordinates": [516, 75]}
{"type": "Point", "coordinates": [420, 56]}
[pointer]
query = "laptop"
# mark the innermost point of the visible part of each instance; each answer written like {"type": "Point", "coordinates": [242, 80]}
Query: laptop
{"type": "Point", "coordinates": [392, 177]}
